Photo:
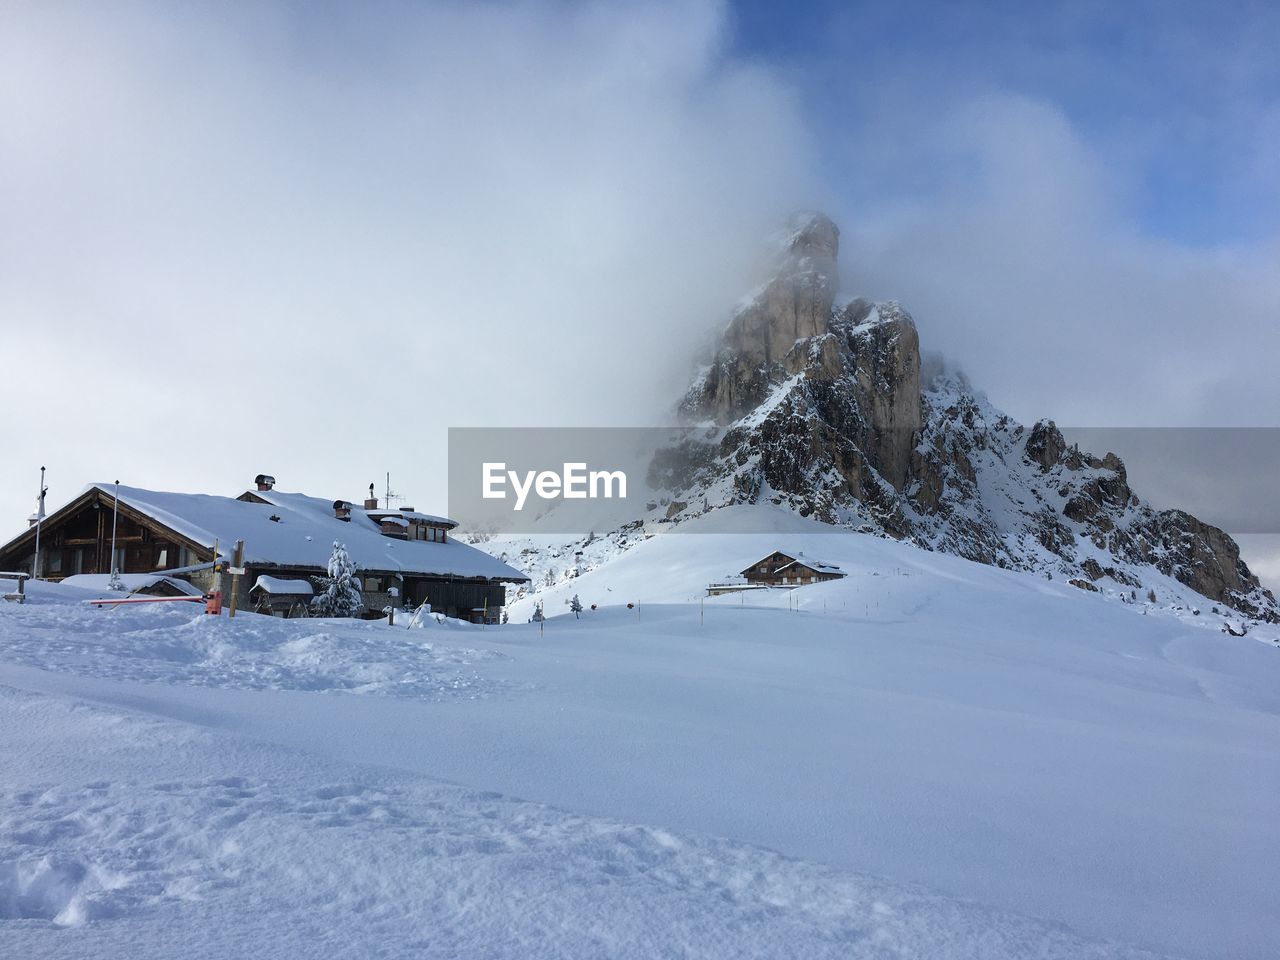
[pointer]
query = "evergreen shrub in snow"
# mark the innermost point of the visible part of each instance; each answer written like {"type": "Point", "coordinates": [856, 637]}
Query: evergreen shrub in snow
{"type": "Point", "coordinates": [338, 594]}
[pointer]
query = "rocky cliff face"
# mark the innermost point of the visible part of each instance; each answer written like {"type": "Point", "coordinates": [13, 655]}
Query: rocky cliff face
{"type": "Point", "coordinates": [822, 407]}
{"type": "Point", "coordinates": [793, 307]}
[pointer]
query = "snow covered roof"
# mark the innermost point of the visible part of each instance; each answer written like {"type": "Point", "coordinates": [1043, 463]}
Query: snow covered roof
{"type": "Point", "coordinates": [813, 564]}
{"type": "Point", "coordinates": [394, 521]}
{"type": "Point", "coordinates": [302, 533]}
{"type": "Point", "coordinates": [805, 560]}
{"type": "Point", "coordinates": [413, 515]}
{"type": "Point", "coordinates": [133, 582]}
{"type": "Point", "coordinates": [282, 587]}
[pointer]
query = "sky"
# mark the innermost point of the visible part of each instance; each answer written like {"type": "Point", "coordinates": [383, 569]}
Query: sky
{"type": "Point", "coordinates": [306, 239]}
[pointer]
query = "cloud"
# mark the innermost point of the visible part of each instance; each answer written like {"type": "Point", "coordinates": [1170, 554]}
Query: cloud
{"type": "Point", "coordinates": [1024, 267]}
{"type": "Point", "coordinates": [1026, 263]}
{"type": "Point", "coordinates": [238, 239]}
{"type": "Point", "coordinates": [1262, 553]}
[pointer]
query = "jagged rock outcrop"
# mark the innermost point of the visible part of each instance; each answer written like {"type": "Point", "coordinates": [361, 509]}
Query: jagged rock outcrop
{"type": "Point", "coordinates": [822, 408]}
{"type": "Point", "coordinates": [850, 377]}
{"type": "Point", "coordinates": [792, 307]}
{"type": "Point", "coordinates": [796, 303]}
{"type": "Point", "coordinates": [1046, 445]}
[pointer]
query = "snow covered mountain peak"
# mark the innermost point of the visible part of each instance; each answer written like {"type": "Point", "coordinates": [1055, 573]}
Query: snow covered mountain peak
{"type": "Point", "coordinates": [823, 408]}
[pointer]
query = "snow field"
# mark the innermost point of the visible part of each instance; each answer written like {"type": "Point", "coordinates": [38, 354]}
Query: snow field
{"type": "Point", "coordinates": [291, 857]}
{"type": "Point", "coordinates": [172, 643]}
{"type": "Point", "coordinates": [917, 760]}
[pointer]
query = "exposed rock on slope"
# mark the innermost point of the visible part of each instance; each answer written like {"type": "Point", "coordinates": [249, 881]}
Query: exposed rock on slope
{"type": "Point", "coordinates": [792, 307]}
{"type": "Point", "coordinates": [822, 408]}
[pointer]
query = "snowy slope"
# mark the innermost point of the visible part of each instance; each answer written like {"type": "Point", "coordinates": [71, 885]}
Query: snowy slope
{"type": "Point", "coordinates": [676, 561]}
{"type": "Point", "coordinates": [930, 758]}
{"type": "Point", "coordinates": [161, 839]}
{"type": "Point", "coordinates": [974, 489]}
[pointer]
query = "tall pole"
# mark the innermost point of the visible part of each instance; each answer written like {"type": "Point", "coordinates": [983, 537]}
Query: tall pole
{"type": "Point", "coordinates": [237, 565]}
{"type": "Point", "coordinates": [114, 583]}
{"type": "Point", "coordinates": [35, 564]}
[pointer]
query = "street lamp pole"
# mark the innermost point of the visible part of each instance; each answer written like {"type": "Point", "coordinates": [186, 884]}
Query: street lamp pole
{"type": "Point", "coordinates": [114, 583]}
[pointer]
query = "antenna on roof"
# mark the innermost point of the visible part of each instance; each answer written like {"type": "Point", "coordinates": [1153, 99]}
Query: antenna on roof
{"type": "Point", "coordinates": [35, 564]}
{"type": "Point", "coordinates": [115, 583]}
{"type": "Point", "coordinates": [391, 493]}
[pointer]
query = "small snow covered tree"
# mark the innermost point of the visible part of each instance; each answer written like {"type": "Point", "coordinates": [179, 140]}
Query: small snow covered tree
{"type": "Point", "coordinates": [338, 594]}
{"type": "Point", "coordinates": [537, 614]}
{"type": "Point", "coordinates": [576, 606]}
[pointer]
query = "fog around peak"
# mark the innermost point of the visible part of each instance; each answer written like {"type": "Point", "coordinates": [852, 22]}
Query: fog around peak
{"type": "Point", "coordinates": [329, 236]}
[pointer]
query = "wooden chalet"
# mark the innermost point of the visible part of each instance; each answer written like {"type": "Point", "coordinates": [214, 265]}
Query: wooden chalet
{"type": "Point", "coordinates": [404, 557]}
{"type": "Point", "coordinates": [780, 569]}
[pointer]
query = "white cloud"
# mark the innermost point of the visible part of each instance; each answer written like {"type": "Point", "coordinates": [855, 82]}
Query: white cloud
{"type": "Point", "coordinates": [1024, 266]}
{"type": "Point", "coordinates": [236, 241]}
{"type": "Point", "coordinates": [1012, 239]}
{"type": "Point", "coordinates": [1262, 552]}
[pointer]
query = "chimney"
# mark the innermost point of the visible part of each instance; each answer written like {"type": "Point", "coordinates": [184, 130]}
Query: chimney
{"type": "Point", "coordinates": [372, 502]}
{"type": "Point", "coordinates": [264, 481]}
{"type": "Point", "coordinates": [342, 510]}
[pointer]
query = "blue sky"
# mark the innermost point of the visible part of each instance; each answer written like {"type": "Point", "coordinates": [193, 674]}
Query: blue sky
{"type": "Point", "coordinates": [1183, 98]}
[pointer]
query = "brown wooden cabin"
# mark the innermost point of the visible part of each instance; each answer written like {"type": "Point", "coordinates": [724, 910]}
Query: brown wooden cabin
{"type": "Point", "coordinates": [780, 569]}
{"type": "Point", "coordinates": [76, 539]}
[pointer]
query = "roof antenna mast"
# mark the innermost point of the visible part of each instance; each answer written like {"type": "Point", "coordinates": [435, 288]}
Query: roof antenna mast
{"type": "Point", "coordinates": [115, 583]}
{"type": "Point", "coordinates": [35, 564]}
